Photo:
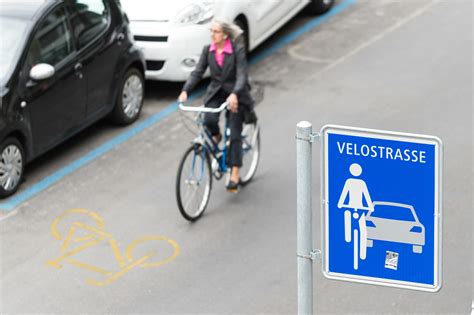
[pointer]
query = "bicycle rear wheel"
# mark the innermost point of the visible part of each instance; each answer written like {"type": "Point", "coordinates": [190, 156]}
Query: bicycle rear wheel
{"type": "Point", "coordinates": [194, 182]}
{"type": "Point", "coordinates": [251, 152]}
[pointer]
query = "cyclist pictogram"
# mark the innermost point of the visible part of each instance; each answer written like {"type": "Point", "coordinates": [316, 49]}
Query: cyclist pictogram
{"type": "Point", "coordinates": [356, 191]}
{"type": "Point", "coordinates": [79, 236]}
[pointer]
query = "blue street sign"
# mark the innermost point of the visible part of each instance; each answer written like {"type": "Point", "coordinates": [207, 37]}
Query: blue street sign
{"type": "Point", "coordinates": [382, 207]}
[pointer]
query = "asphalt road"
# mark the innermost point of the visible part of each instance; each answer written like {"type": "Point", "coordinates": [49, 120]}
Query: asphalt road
{"type": "Point", "coordinates": [391, 65]}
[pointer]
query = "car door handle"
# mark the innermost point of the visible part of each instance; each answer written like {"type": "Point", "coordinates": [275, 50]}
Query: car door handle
{"type": "Point", "coordinates": [78, 70]}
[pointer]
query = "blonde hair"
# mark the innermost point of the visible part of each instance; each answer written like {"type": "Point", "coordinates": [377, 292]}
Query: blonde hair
{"type": "Point", "coordinates": [230, 29]}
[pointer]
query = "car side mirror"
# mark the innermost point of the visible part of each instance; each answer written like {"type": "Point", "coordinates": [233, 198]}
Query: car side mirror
{"type": "Point", "coordinates": [41, 71]}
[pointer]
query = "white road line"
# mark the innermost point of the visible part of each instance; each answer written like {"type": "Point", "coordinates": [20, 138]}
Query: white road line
{"type": "Point", "coordinates": [293, 52]}
{"type": "Point", "coordinates": [376, 38]}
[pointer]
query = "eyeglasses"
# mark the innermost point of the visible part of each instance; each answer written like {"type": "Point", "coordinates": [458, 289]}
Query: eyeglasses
{"type": "Point", "coordinates": [215, 31]}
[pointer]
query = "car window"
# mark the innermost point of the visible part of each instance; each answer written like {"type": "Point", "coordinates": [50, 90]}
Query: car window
{"type": "Point", "coordinates": [52, 41]}
{"type": "Point", "coordinates": [89, 18]}
{"type": "Point", "coordinates": [13, 32]}
{"type": "Point", "coordinates": [392, 213]}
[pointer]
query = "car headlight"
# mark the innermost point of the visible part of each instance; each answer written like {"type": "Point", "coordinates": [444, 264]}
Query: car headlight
{"type": "Point", "coordinates": [196, 13]}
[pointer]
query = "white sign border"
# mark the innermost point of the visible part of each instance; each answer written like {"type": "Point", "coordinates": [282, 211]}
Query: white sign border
{"type": "Point", "coordinates": [388, 135]}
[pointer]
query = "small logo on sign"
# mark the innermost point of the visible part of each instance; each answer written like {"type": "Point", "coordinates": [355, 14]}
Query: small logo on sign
{"type": "Point", "coordinates": [391, 260]}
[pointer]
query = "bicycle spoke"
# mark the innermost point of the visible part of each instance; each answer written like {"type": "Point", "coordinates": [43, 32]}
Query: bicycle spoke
{"type": "Point", "coordinates": [190, 197]}
{"type": "Point", "coordinates": [192, 187]}
{"type": "Point", "coordinates": [194, 183]}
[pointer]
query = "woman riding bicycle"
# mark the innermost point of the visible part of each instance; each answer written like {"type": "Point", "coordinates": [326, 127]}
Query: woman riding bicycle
{"type": "Point", "coordinates": [226, 58]}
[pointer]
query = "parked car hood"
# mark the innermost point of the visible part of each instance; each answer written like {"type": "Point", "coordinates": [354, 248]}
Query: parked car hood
{"type": "Point", "coordinates": [152, 10]}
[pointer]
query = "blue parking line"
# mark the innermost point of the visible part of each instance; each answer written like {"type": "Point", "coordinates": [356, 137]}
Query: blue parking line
{"type": "Point", "coordinates": [12, 202]}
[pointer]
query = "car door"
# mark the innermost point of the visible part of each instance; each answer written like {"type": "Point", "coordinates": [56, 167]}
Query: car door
{"type": "Point", "coordinates": [55, 106]}
{"type": "Point", "coordinates": [267, 13]}
{"type": "Point", "coordinates": [99, 48]}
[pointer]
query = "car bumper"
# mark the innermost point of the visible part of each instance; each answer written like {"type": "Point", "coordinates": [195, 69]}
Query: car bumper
{"type": "Point", "coordinates": [171, 51]}
{"type": "Point", "coordinates": [396, 236]}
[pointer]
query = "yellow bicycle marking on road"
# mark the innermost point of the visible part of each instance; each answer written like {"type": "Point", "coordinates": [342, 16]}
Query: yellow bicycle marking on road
{"type": "Point", "coordinates": [118, 274]}
{"type": "Point", "coordinates": [139, 241]}
{"type": "Point", "coordinates": [93, 215]}
{"type": "Point", "coordinates": [87, 236]}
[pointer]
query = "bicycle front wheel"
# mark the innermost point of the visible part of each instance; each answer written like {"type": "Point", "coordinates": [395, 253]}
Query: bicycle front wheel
{"type": "Point", "coordinates": [251, 152]}
{"type": "Point", "coordinates": [194, 182]}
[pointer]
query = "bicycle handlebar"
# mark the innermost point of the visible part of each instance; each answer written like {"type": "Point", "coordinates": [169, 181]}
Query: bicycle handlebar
{"type": "Point", "coordinates": [203, 109]}
{"type": "Point", "coordinates": [360, 208]}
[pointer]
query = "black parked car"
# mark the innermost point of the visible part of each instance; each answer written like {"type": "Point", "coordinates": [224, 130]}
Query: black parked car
{"type": "Point", "coordinates": [63, 65]}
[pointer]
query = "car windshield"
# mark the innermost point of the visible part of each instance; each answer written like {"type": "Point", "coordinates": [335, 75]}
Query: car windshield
{"type": "Point", "coordinates": [393, 213]}
{"type": "Point", "coordinates": [12, 33]}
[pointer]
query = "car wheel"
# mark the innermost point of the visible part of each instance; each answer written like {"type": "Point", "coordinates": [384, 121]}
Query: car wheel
{"type": "Point", "coordinates": [130, 97]}
{"type": "Point", "coordinates": [417, 249]}
{"type": "Point", "coordinates": [245, 35]}
{"type": "Point", "coordinates": [320, 6]}
{"type": "Point", "coordinates": [12, 165]}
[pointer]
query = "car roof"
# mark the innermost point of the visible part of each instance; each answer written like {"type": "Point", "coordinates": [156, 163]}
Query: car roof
{"type": "Point", "coordinates": [24, 9]}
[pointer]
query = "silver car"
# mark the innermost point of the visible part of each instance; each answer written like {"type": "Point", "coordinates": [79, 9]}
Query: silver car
{"type": "Point", "coordinates": [395, 222]}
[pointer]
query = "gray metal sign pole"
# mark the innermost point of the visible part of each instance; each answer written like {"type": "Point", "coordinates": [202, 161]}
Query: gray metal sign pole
{"type": "Point", "coordinates": [304, 219]}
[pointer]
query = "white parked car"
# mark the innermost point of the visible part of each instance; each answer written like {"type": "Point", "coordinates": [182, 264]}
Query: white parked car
{"type": "Point", "coordinates": [173, 32]}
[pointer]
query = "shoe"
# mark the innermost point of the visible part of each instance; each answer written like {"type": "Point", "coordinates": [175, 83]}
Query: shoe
{"type": "Point", "coordinates": [232, 187]}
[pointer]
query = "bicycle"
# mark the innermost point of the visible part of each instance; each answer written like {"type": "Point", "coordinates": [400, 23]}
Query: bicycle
{"type": "Point", "coordinates": [359, 234]}
{"type": "Point", "coordinates": [204, 159]}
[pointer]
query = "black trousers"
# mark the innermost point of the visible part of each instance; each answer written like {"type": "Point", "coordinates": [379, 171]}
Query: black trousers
{"type": "Point", "coordinates": [235, 123]}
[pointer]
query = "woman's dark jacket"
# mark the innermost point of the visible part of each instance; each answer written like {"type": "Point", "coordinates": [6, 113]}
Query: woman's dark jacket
{"type": "Point", "coordinates": [232, 77]}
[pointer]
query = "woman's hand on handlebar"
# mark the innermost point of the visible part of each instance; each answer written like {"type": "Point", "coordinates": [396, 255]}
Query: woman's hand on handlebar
{"type": "Point", "coordinates": [183, 97]}
{"type": "Point", "coordinates": [233, 102]}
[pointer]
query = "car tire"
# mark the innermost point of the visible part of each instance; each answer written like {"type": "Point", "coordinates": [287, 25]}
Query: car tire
{"type": "Point", "coordinates": [417, 249]}
{"type": "Point", "coordinates": [320, 6]}
{"type": "Point", "coordinates": [129, 98]}
{"type": "Point", "coordinates": [12, 166]}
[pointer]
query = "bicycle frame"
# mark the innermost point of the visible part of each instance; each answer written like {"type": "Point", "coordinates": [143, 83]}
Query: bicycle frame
{"type": "Point", "coordinates": [356, 234]}
{"type": "Point", "coordinates": [204, 138]}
